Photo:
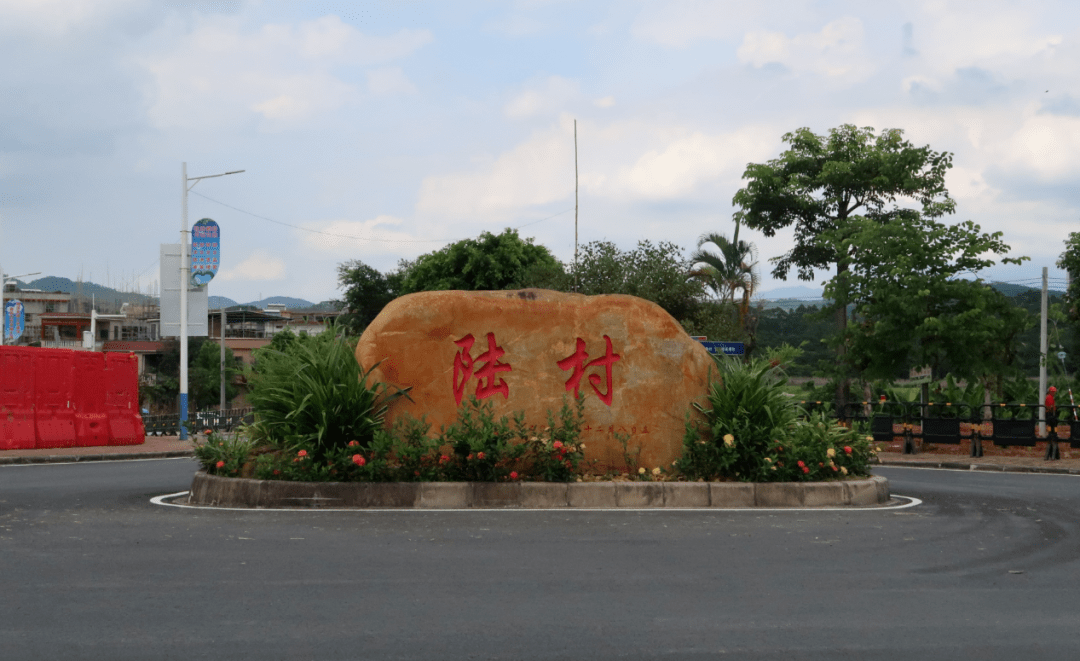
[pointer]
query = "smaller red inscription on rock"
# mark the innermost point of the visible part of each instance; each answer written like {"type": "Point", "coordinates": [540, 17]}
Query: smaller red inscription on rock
{"type": "Point", "coordinates": [576, 363]}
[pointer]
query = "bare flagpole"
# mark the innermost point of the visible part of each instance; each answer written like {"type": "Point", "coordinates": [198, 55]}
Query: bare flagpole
{"type": "Point", "coordinates": [576, 276]}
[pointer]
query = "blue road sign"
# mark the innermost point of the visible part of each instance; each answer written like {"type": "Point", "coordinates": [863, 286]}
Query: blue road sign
{"type": "Point", "coordinates": [726, 348]}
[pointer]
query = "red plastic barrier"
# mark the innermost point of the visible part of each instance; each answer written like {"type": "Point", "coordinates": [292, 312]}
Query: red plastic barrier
{"type": "Point", "coordinates": [122, 399]}
{"type": "Point", "coordinates": [54, 417]}
{"type": "Point", "coordinates": [88, 400]}
{"type": "Point", "coordinates": [16, 398]}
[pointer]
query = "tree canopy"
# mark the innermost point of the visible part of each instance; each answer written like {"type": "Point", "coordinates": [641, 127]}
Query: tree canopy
{"type": "Point", "coordinates": [367, 292]}
{"type": "Point", "coordinates": [866, 205]}
{"type": "Point", "coordinates": [490, 262]}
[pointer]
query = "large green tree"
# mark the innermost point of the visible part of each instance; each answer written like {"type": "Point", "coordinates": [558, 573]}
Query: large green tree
{"type": "Point", "coordinates": [489, 262]}
{"type": "Point", "coordinates": [367, 292]}
{"type": "Point", "coordinates": [825, 187]}
{"type": "Point", "coordinates": [914, 300]}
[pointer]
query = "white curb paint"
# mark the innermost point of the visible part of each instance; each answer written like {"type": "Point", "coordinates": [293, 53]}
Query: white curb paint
{"type": "Point", "coordinates": [162, 500]}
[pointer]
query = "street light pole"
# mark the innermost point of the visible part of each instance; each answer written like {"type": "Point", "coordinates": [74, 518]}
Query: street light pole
{"type": "Point", "coordinates": [185, 276]}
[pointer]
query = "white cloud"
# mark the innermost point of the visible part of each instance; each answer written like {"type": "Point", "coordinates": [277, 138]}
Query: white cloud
{"type": "Point", "coordinates": [548, 98]}
{"type": "Point", "coordinates": [56, 17]}
{"type": "Point", "coordinates": [605, 102]}
{"type": "Point", "coordinates": [537, 171]}
{"type": "Point", "coordinates": [260, 265]}
{"type": "Point", "coordinates": [219, 75]}
{"type": "Point", "coordinates": [836, 51]}
{"type": "Point", "coordinates": [680, 23]}
{"type": "Point", "coordinates": [348, 238]}
{"type": "Point", "coordinates": [389, 81]}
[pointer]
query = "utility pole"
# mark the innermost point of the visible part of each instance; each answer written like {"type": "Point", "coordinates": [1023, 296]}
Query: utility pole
{"type": "Point", "coordinates": [222, 407]}
{"type": "Point", "coordinates": [576, 276]}
{"type": "Point", "coordinates": [185, 282]}
{"type": "Point", "coordinates": [1043, 348]}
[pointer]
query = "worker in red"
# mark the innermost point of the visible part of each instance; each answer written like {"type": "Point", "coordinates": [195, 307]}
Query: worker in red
{"type": "Point", "coordinates": [1052, 451]}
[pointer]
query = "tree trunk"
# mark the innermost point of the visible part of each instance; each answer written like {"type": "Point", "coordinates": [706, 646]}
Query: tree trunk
{"type": "Point", "coordinates": [843, 381]}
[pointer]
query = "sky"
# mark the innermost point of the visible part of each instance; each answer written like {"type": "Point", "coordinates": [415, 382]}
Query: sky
{"type": "Point", "coordinates": [382, 130]}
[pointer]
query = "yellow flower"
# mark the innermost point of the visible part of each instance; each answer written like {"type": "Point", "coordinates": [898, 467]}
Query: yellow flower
{"type": "Point", "coordinates": [870, 438]}
{"type": "Point", "coordinates": [830, 453]}
{"type": "Point", "coordinates": [768, 459]}
{"type": "Point", "coordinates": [641, 471]}
{"type": "Point", "coordinates": [773, 467]}
{"type": "Point", "coordinates": [843, 470]}
{"type": "Point", "coordinates": [656, 471]}
{"type": "Point", "coordinates": [729, 440]}
{"type": "Point", "coordinates": [581, 447]}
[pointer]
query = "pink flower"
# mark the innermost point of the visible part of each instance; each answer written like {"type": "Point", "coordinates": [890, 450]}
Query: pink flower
{"type": "Point", "coordinates": [847, 448]}
{"type": "Point", "coordinates": [358, 460]}
{"type": "Point", "coordinates": [220, 464]}
{"type": "Point", "coordinates": [479, 455]}
{"type": "Point", "coordinates": [513, 475]}
{"type": "Point", "coordinates": [302, 453]}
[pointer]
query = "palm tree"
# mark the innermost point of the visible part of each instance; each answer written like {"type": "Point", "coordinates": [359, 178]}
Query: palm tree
{"type": "Point", "coordinates": [728, 272]}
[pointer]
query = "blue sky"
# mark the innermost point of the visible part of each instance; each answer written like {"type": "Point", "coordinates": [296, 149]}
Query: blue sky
{"type": "Point", "coordinates": [383, 130]}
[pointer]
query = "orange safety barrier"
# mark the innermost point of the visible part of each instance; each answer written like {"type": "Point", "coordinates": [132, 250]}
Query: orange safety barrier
{"type": "Point", "coordinates": [59, 398]}
{"type": "Point", "coordinates": [122, 399]}
{"type": "Point", "coordinates": [91, 421]}
{"type": "Point", "coordinates": [16, 398]}
{"type": "Point", "coordinates": [54, 379]}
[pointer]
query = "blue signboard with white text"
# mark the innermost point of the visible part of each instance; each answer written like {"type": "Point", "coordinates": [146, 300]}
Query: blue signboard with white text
{"type": "Point", "coordinates": [14, 320]}
{"type": "Point", "coordinates": [205, 251]}
{"type": "Point", "coordinates": [726, 348]}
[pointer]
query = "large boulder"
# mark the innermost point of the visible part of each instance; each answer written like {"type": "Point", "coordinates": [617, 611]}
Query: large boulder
{"type": "Point", "coordinates": [529, 349]}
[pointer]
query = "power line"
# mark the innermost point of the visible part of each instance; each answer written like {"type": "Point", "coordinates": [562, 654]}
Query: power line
{"type": "Point", "coordinates": [354, 237]}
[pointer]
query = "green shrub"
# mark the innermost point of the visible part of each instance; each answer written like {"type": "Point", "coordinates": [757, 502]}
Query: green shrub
{"type": "Point", "coordinates": [753, 433]}
{"type": "Point", "coordinates": [223, 454]}
{"type": "Point", "coordinates": [747, 413]}
{"type": "Point", "coordinates": [313, 395]}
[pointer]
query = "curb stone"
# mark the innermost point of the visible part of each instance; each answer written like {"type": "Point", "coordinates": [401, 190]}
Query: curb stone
{"type": "Point", "coordinates": [994, 468]}
{"type": "Point", "coordinates": [80, 458]}
{"type": "Point", "coordinates": [214, 490]}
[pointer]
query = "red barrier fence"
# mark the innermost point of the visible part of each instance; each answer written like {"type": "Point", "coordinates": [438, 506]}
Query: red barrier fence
{"type": "Point", "coordinates": [60, 398]}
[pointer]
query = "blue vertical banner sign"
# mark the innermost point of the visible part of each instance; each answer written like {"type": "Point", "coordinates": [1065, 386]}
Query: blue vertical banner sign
{"type": "Point", "coordinates": [205, 251]}
{"type": "Point", "coordinates": [14, 320]}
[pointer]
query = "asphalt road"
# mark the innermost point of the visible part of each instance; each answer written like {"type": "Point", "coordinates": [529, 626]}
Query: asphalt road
{"type": "Point", "coordinates": [988, 567]}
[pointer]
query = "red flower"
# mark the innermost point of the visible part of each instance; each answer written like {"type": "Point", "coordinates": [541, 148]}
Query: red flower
{"type": "Point", "coordinates": [557, 444]}
{"type": "Point", "coordinates": [568, 464]}
{"type": "Point", "coordinates": [220, 464]}
{"type": "Point", "coordinates": [847, 448]}
{"type": "Point", "coordinates": [805, 469]}
{"type": "Point", "coordinates": [479, 455]}
{"type": "Point", "coordinates": [834, 469]}
{"type": "Point", "coordinates": [802, 465]}
{"type": "Point", "coordinates": [469, 457]}
{"type": "Point", "coordinates": [443, 459]}
{"type": "Point", "coordinates": [353, 443]}
{"type": "Point", "coordinates": [513, 475]}
{"type": "Point", "coordinates": [358, 460]}
{"type": "Point", "coordinates": [820, 464]}
{"type": "Point", "coordinates": [277, 472]}
{"type": "Point", "coordinates": [302, 453]}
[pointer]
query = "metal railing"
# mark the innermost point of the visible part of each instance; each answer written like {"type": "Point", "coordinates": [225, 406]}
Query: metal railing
{"type": "Point", "coordinates": [946, 423]}
{"type": "Point", "coordinates": [219, 421]}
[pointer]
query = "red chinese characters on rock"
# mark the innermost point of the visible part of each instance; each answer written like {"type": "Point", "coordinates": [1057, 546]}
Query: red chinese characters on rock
{"type": "Point", "coordinates": [577, 363]}
{"type": "Point", "coordinates": [489, 367]}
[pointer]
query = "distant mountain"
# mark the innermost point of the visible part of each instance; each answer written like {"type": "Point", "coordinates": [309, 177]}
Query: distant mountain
{"type": "Point", "coordinates": [289, 303]}
{"type": "Point", "coordinates": [783, 293]}
{"type": "Point", "coordinates": [218, 302]}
